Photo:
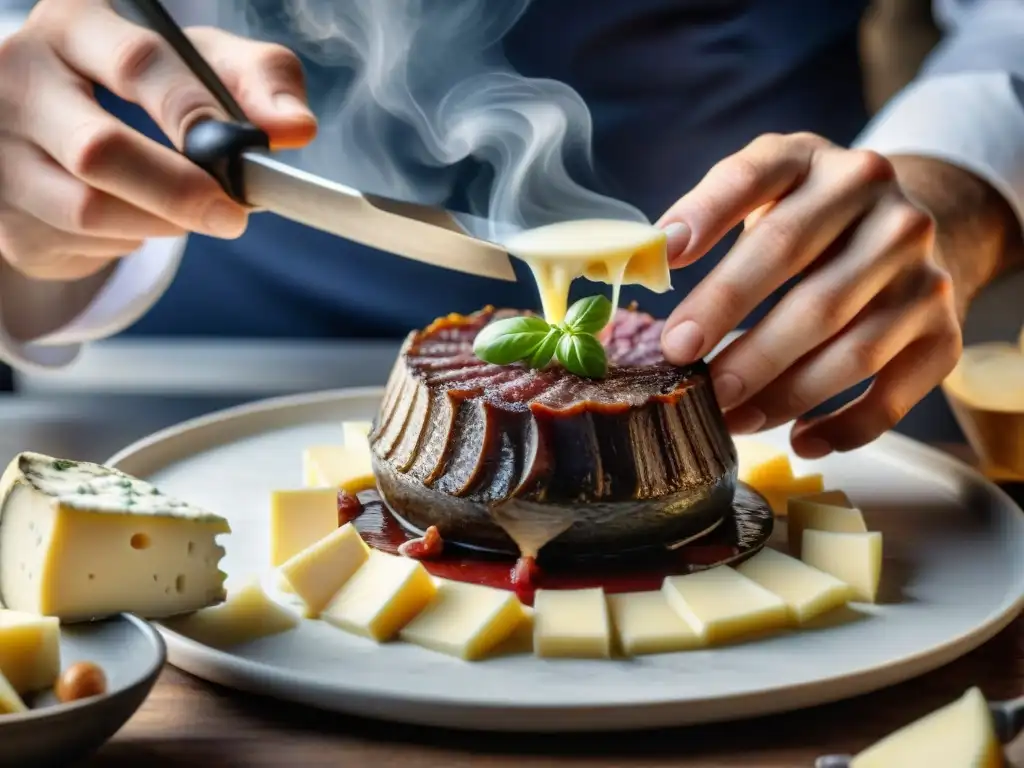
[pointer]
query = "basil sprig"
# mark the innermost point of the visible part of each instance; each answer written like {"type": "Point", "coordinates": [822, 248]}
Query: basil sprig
{"type": "Point", "coordinates": [531, 340]}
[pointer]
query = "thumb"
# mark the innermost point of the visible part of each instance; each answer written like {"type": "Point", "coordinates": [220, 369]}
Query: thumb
{"type": "Point", "coordinates": [268, 82]}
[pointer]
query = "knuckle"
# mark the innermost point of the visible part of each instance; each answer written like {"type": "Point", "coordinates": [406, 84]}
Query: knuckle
{"type": "Point", "coordinates": [134, 57]}
{"type": "Point", "coordinates": [911, 225]}
{"type": "Point", "coordinates": [279, 60]}
{"type": "Point", "coordinates": [86, 209]}
{"type": "Point", "coordinates": [865, 358]}
{"type": "Point", "coordinates": [186, 196]}
{"type": "Point", "coordinates": [779, 237]}
{"type": "Point", "coordinates": [823, 311]}
{"type": "Point", "coordinates": [94, 146]}
{"type": "Point", "coordinates": [808, 140]}
{"type": "Point", "coordinates": [889, 412]}
{"type": "Point", "coordinates": [181, 104]}
{"type": "Point", "coordinates": [868, 166]}
{"type": "Point", "coordinates": [725, 294]}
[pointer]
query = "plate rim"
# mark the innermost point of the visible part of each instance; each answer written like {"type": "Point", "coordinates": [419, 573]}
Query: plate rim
{"type": "Point", "coordinates": [261, 677]}
{"type": "Point", "coordinates": [148, 678]}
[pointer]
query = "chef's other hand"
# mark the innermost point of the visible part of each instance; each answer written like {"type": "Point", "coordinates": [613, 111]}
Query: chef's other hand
{"type": "Point", "coordinates": [874, 297]}
{"type": "Point", "coordinates": [78, 188]}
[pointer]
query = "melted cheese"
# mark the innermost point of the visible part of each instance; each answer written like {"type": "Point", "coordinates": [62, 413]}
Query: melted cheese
{"type": "Point", "coordinates": [604, 250]}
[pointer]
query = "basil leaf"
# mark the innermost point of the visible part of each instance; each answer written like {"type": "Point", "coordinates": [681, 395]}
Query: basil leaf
{"type": "Point", "coordinates": [589, 315]}
{"type": "Point", "coordinates": [583, 355]}
{"type": "Point", "coordinates": [507, 341]}
{"type": "Point", "coordinates": [546, 349]}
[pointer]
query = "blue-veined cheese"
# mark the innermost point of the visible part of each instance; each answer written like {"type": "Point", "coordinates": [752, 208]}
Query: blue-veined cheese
{"type": "Point", "coordinates": [82, 541]}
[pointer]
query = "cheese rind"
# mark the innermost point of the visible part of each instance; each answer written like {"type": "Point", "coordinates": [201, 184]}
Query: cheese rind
{"type": "Point", "coordinates": [382, 597]}
{"type": "Point", "coordinates": [10, 701]}
{"type": "Point", "coordinates": [334, 466]}
{"type": "Point", "coordinates": [855, 558]}
{"type": "Point", "coordinates": [806, 591]}
{"type": "Point", "coordinates": [316, 573]}
{"type": "Point", "coordinates": [29, 650]}
{"type": "Point", "coordinates": [465, 620]}
{"type": "Point", "coordinates": [81, 541]}
{"type": "Point", "coordinates": [645, 623]}
{"type": "Point", "coordinates": [828, 511]}
{"type": "Point", "coordinates": [571, 623]}
{"type": "Point", "coordinates": [247, 615]}
{"type": "Point", "coordinates": [959, 734]}
{"type": "Point", "coordinates": [299, 519]}
{"type": "Point", "coordinates": [720, 604]}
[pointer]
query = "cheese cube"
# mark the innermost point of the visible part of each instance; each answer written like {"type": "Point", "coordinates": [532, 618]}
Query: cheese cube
{"type": "Point", "coordinates": [247, 615]}
{"type": "Point", "coordinates": [81, 541]}
{"type": "Point", "coordinates": [465, 620]}
{"type": "Point", "coordinates": [355, 434]}
{"type": "Point", "coordinates": [383, 596]}
{"type": "Point", "coordinates": [571, 623]}
{"type": "Point", "coordinates": [828, 511]}
{"type": "Point", "coordinates": [646, 623]}
{"type": "Point", "coordinates": [855, 558]}
{"type": "Point", "coordinates": [299, 519]}
{"type": "Point", "coordinates": [10, 701]}
{"type": "Point", "coordinates": [768, 471]}
{"type": "Point", "coordinates": [806, 591]}
{"type": "Point", "coordinates": [959, 734]}
{"type": "Point", "coordinates": [338, 466]}
{"type": "Point", "coordinates": [721, 604]}
{"type": "Point", "coordinates": [316, 573]}
{"type": "Point", "coordinates": [29, 650]}
{"type": "Point", "coordinates": [521, 639]}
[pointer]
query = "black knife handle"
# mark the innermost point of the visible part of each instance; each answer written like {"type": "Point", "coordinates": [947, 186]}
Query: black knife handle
{"type": "Point", "coordinates": [217, 147]}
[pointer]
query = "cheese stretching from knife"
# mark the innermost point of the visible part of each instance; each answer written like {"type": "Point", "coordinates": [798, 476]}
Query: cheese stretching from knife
{"type": "Point", "coordinates": [81, 541]}
{"type": "Point", "coordinates": [604, 250]}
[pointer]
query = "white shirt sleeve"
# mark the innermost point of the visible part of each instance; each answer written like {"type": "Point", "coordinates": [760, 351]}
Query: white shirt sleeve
{"type": "Point", "coordinates": [966, 106]}
{"type": "Point", "coordinates": [133, 287]}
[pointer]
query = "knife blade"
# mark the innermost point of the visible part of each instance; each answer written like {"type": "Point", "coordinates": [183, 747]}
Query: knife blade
{"type": "Point", "coordinates": [424, 233]}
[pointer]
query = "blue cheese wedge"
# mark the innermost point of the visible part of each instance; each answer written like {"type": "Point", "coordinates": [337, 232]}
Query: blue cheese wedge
{"type": "Point", "coordinates": [81, 541]}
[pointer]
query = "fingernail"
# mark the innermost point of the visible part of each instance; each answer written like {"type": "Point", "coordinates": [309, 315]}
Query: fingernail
{"type": "Point", "coordinates": [291, 105]}
{"type": "Point", "coordinates": [224, 219]}
{"type": "Point", "coordinates": [812, 448]}
{"type": "Point", "coordinates": [728, 388]}
{"type": "Point", "coordinates": [683, 343]}
{"type": "Point", "coordinates": [678, 235]}
{"type": "Point", "coordinates": [746, 419]}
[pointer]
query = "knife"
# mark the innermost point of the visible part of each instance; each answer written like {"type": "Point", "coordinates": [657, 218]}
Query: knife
{"type": "Point", "coordinates": [237, 154]}
{"type": "Point", "coordinates": [1007, 722]}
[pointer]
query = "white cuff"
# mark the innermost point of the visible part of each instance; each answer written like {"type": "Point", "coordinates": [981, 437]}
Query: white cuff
{"type": "Point", "coordinates": [974, 120]}
{"type": "Point", "coordinates": [134, 286]}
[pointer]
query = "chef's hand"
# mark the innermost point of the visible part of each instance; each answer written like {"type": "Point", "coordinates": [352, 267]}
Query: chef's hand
{"type": "Point", "coordinates": [882, 285]}
{"type": "Point", "coordinates": [77, 187]}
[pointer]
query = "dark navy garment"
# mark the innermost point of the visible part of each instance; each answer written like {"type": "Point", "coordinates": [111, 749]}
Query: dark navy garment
{"type": "Point", "coordinates": [673, 86]}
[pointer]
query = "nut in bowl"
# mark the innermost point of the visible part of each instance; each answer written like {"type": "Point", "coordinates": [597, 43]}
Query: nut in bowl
{"type": "Point", "coordinates": [986, 393]}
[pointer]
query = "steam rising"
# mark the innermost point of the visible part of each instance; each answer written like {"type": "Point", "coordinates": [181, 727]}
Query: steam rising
{"type": "Point", "coordinates": [430, 89]}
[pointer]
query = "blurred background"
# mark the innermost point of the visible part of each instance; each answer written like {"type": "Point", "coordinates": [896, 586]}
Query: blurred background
{"type": "Point", "coordinates": [125, 387]}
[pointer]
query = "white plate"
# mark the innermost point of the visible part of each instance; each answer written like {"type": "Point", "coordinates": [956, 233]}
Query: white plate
{"type": "Point", "coordinates": [954, 576]}
{"type": "Point", "coordinates": [131, 654]}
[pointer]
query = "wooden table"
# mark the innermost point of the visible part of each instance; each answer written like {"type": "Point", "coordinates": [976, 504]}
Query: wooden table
{"type": "Point", "coordinates": [189, 722]}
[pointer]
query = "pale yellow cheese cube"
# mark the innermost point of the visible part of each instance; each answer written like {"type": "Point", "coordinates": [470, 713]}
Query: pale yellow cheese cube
{"type": "Point", "coordinates": [29, 650]}
{"type": "Point", "coordinates": [465, 620]}
{"type": "Point", "coordinates": [646, 623]}
{"type": "Point", "coordinates": [337, 466]}
{"type": "Point", "coordinates": [247, 615]}
{"type": "Point", "coordinates": [521, 639]}
{"type": "Point", "coordinates": [959, 734]}
{"type": "Point", "coordinates": [382, 597]}
{"type": "Point", "coordinates": [317, 573]}
{"type": "Point", "coordinates": [355, 434]}
{"type": "Point", "coordinates": [768, 471]}
{"type": "Point", "coordinates": [806, 591]}
{"type": "Point", "coordinates": [10, 701]}
{"type": "Point", "coordinates": [721, 604]}
{"type": "Point", "coordinates": [299, 519]}
{"type": "Point", "coordinates": [571, 623]}
{"type": "Point", "coordinates": [855, 558]}
{"type": "Point", "coordinates": [828, 511]}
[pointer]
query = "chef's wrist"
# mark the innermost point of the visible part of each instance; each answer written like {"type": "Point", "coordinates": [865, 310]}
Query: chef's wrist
{"type": "Point", "coordinates": [978, 235]}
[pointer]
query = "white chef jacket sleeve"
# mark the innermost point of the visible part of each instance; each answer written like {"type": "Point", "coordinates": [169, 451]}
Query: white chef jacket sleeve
{"type": "Point", "coordinates": [966, 106]}
{"type": "Point", "coordinates": [133, 287]}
